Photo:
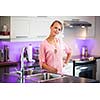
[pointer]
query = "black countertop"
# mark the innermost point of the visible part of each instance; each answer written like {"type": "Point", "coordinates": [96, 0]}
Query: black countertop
{"type": "Point", "coordinates": [78, 57]}
{"type": "Point", "coordinates": [72, 79]}
{"type": "Point", "coordinates": [65, 79]}
{"type": "Point", "coordinates": [8, 63]}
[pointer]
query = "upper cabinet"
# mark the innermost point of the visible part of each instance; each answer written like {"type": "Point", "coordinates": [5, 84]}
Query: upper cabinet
{"type": "Point", "coordinates": [4, 27]}
{"type": "Point", "coordinates": [28, 28]}
{"type": "Point", "coordinates": [19, 27]}
{"type": "Point", "coordinates": [39, 27]}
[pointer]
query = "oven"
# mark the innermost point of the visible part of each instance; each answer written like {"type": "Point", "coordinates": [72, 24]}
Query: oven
{"type": "Point", "coordinates": [84, 68]}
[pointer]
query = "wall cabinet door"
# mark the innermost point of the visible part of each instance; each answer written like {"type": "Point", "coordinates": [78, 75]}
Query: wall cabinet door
{"type": "Point", "coordinates": [30, 27]}
{"type": "Point", "coordinates": [39, 28]}
{"type": "Point", "coordinates": [19, 27]}
{"type": "Point", "coordinates": [4, 20]}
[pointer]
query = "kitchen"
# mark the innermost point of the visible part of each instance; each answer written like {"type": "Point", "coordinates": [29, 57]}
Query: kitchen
{"type": "Point", "coordinates": [18, 32]}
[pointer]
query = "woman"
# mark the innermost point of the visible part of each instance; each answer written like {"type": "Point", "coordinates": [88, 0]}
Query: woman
{"type": "Point", "coordinates": [52, 49]}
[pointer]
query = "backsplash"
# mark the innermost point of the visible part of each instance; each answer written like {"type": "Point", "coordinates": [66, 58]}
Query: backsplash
{"type": "Point", "coordinates": [76, 43]}
{"type": "Point", "coordinates": [16, 47]}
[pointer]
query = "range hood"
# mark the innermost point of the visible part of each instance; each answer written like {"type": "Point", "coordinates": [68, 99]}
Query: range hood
{"type": "Point", "coordinates": [73, 23]}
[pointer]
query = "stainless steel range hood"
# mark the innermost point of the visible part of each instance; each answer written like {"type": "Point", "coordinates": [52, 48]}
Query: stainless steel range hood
{"type": "Point", "coordinates": [73, 23]}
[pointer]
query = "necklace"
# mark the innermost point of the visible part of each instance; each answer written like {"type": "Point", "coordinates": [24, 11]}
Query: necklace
{"type": "Point", "coordinates": [55, 47]}
{"type": "Point", "coordinates": [54, 43]}
{"type": "Point", "coordinates": [55, 50]}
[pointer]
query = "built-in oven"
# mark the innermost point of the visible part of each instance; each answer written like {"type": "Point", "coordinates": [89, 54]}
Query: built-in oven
{"type": "Point", "coordinates": [84, 68]}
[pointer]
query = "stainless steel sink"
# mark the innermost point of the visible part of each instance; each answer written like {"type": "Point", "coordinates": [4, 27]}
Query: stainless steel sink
{"type": "Point", "coordinates": [41, 77]}
{"type": "Point", "coordinates": [33, 71]}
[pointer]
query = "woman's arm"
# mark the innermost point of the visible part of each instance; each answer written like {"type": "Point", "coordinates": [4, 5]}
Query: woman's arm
{"type": "Point", "coordinates": [68, 57]}
{"type": "Point", "coordinates": [49, 68]}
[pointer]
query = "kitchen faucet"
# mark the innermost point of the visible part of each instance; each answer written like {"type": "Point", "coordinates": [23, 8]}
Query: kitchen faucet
{"type": "Point", "coordinates": [24, 56]}
{"type": "Point", "coordinates": [21, 78]}
{"type": "Point", "coordinates": [22, 65]}
{"type": "Point", "coordinates": [21, 72]}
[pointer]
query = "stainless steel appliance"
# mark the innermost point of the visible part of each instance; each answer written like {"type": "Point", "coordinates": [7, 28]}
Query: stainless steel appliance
{"type": "Point", "coordinates": [85, 68]}
{"type": "Point", "coordinates": [76, 22]}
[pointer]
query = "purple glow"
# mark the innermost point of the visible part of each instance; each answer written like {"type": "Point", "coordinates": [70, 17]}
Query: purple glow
{"type": "Point", "coordinates": [16, 47]}
{"type": "Point", "coordinates": [89, 43]}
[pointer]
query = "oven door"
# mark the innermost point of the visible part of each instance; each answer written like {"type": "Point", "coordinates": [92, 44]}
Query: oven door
{"type": "Point", "coordinates": [85, 69]}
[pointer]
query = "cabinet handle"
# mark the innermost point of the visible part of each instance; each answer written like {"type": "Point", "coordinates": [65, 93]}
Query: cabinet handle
{"type": "Point", "coordinates": [41, 36]}
{"type": "Point", "coordinates": [21, 36]}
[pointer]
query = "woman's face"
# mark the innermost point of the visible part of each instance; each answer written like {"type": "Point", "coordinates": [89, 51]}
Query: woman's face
{"type": "Point", "coordinates": [55, 29]}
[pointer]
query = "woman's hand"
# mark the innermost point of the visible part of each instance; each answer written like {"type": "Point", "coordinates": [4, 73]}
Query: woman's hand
{"type": "Point", "coordinates": [49, 68]}
{"type": "Point", "coordinates": [53, 70]}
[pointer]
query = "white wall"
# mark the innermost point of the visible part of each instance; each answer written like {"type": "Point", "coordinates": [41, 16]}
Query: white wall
{"type": "Point", "coordinates": [96, 49]}
{"type": "Point", "coordinates": [69, 38]}
{"type": "Point", "coordinates": [97, 46]}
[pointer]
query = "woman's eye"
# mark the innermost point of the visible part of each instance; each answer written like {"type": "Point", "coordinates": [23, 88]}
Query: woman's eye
{"type": "Point", "coordinates": [55, 27]}
{"type": "Point", "coordinates": [58, 28]}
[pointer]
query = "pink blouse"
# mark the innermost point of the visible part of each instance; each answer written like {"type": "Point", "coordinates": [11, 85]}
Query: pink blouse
{"type": "Point", "coordinates": [48, 55]}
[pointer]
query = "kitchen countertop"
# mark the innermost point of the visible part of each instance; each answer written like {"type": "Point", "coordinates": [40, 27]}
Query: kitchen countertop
{"type": "Point", "coordinates": [72, 79]}
{"type": "Point", "coordinates": [78, 57]}
{"type": "Point", "coordinates": [65, 79]}
{"type": "Point", "coordinates": [8, 63]}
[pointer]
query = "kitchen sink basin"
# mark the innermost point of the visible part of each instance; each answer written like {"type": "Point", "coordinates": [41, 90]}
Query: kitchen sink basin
{"type": "Point", "coordinates": [33, 71]}
{"type": "Point", "coordinates": [42, 77]}
{"type": "Point", "coordinates": [33, 76]}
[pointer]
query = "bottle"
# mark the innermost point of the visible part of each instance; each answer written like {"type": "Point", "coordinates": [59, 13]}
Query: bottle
{"type": "Point", "coordinates": [6, 53]}
{"type": "Point", "coordinates": [86, 52]}
{"type": "Point", "coordinates": [83, 51]}
{"type": "Point", "coordinates": [1, 55]}
{"type": "Point", "coordinates": [26, 54]}
{"type": "Point", "coordinates": [29, 52]}
{"type": "Point", "coordinates": [5, 29]}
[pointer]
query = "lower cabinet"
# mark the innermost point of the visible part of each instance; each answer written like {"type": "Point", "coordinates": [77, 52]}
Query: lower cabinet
{"type": "Point", "coordinates": [98, 70]}
{"type": "Point", "coordinates": [86, 69]}
{"type": "Point", "coordinates": [68, 69]}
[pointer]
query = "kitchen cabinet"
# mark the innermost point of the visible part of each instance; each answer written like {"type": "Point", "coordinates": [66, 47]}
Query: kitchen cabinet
{"type": "Point", "coordinates": [98, 70]}
{"type": "Point", "coordinates": [4, 20]}
{"type": "Point", "coordinates": [19, 27]}
{"type": "Point", "coordinates": [68, 69]}
{"type": "Point", "coordinates": [39, 27]}
{"type": "Point", "coordinates": [28, 28]}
